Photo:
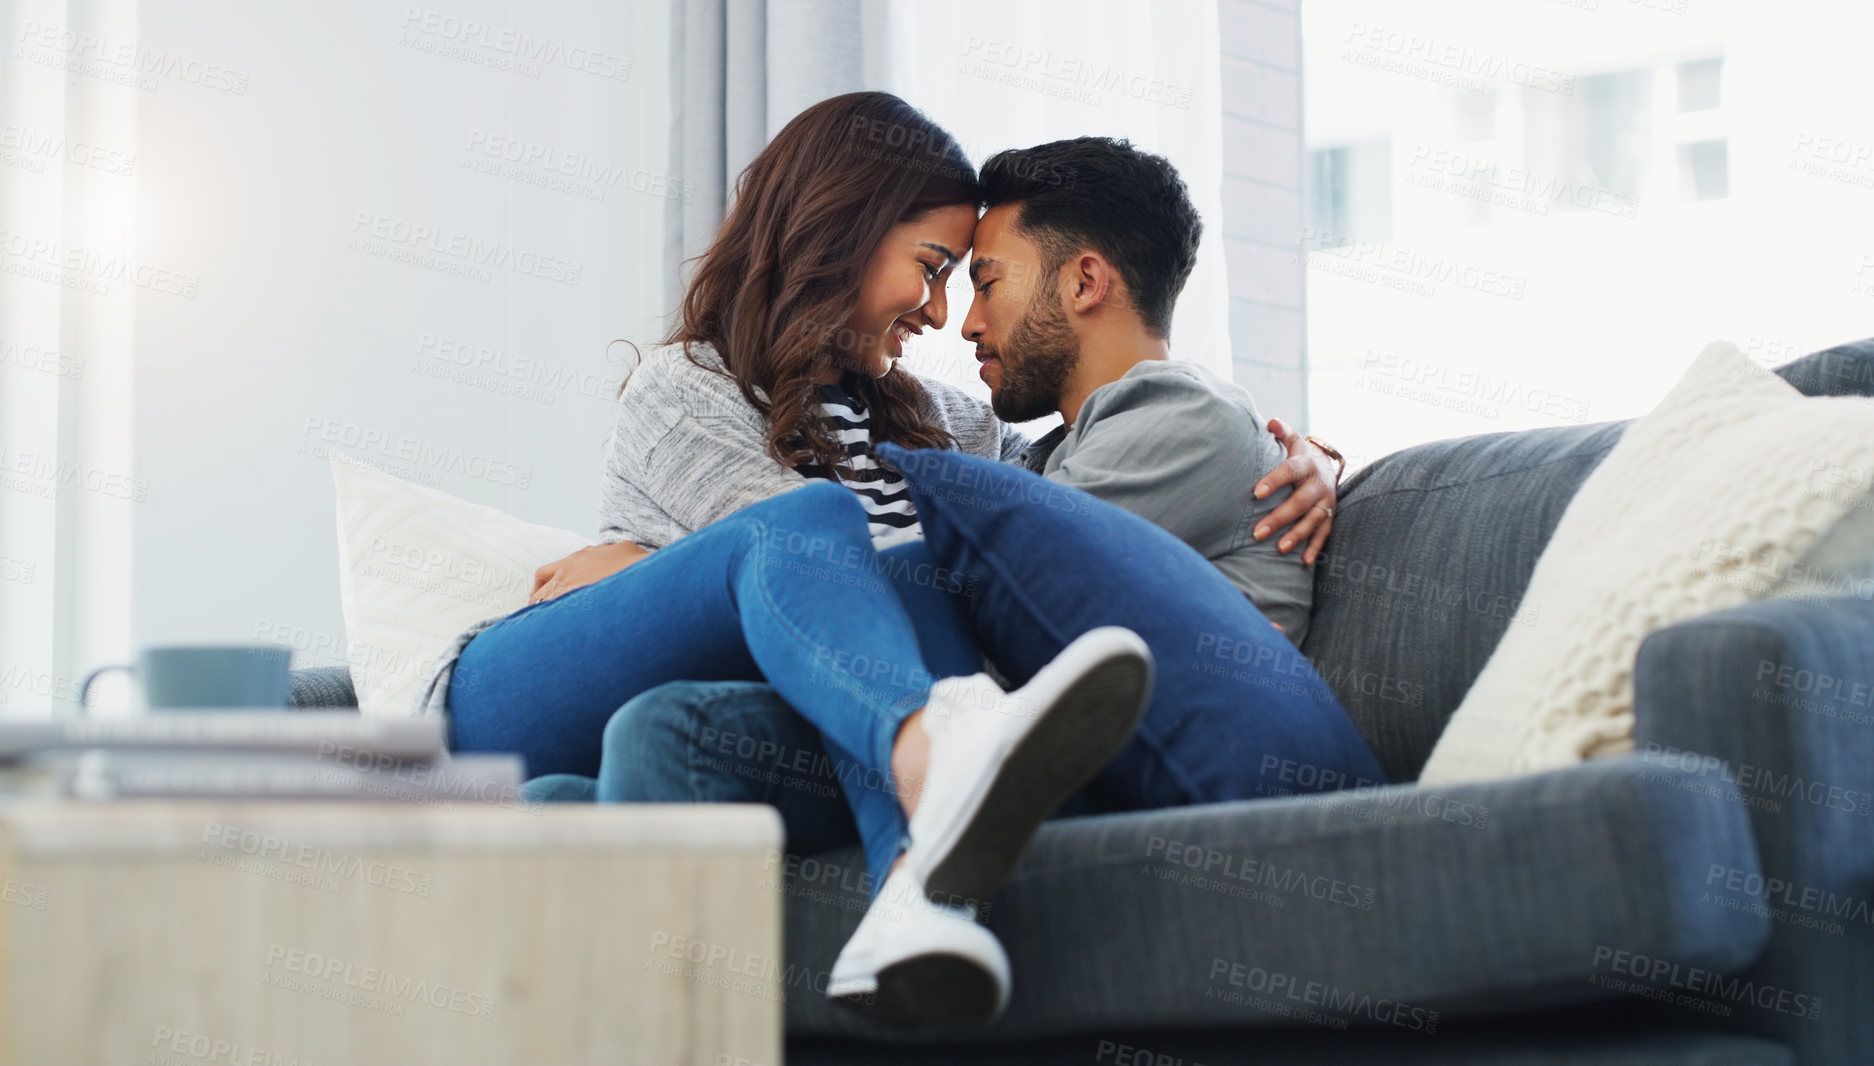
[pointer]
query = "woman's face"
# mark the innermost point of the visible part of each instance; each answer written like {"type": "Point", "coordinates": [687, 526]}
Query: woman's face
{"type": "Point", "coordinates": [902, 293]}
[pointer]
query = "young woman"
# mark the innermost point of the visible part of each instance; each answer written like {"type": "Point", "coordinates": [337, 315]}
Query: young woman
{"type": "Point", "coordinates": [743, 453]}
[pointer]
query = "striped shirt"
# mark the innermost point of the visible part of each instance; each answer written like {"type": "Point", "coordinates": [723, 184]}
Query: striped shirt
{"type": "Point", "coordinates": [887, 500]}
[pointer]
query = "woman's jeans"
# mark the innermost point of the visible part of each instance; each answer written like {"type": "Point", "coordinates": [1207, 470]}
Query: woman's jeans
{"type": "Point", "coordinates": [788, 590]}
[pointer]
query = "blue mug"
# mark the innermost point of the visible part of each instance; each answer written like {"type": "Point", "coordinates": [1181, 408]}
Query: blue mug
{"type": "Point", "coordinates": [190, 677]}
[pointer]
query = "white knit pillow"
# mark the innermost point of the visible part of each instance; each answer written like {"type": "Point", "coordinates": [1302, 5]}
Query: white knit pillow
{"type": "Point", "coordinates": [1705, 503]}
{"type": "Point", "coordinates": [417, 567]}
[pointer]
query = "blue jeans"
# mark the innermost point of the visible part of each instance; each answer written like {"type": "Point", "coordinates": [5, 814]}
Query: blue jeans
{"type": "Point", "coordinates": [788, 590]}
{"type": "Point", "coordinates": [729, 742]}
{"type": "Point", "coordinates": [719, 742]}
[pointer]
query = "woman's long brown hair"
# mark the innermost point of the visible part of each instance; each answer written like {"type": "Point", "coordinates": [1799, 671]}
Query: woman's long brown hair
{"type": "Point", "coordinates": [773, 292]}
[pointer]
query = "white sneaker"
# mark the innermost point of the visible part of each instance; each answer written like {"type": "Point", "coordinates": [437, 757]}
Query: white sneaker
{"type": "Point", "coordinates": [1001, 762]}
{"type": "Point", "coordinates": [915, 963]}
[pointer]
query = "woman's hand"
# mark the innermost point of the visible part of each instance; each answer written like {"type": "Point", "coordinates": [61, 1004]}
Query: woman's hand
{"type": "Point", "coordinates": [587, 566]}
{"type": "Point", "coordinates": [1310, 507]}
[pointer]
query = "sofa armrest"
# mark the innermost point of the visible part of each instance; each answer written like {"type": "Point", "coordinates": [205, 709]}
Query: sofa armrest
{"type": "Point", "coordinates": [1389, 907]}
{"type": "Point", "coordinates": [1776, 699]}
{"type": "Point", "coordinates": [321, 688]}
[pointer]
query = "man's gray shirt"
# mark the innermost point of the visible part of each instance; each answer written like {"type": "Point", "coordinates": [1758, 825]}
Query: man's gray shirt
{"type": "Point", "coordinates": [1183, 449]}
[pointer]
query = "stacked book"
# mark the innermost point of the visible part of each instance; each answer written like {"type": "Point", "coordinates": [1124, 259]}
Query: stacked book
{"type": "Point", "coordinates": [238, 754]}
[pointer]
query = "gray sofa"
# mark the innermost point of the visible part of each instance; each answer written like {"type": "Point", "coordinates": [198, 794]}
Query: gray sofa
{"type": "Point", "coordinates": [1708, 899]}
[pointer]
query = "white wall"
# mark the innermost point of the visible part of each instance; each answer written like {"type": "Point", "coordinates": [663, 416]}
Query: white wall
{"type": "Point", "coordinates": [331, 208]}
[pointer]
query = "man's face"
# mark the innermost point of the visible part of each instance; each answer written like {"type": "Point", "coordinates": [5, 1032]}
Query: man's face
{"type": "Point", "coordinates": [1024, 340]}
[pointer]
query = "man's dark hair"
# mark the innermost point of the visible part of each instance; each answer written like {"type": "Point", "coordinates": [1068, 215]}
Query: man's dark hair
{"type": "Point", "coordinates": [1103, 194]}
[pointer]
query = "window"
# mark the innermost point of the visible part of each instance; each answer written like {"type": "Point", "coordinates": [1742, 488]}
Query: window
{"type": "Point", "coordinates": [1704, 171]}
{"type": "Point", "coordinates": [1698, 84]}
{"type": "Point", "coordinates": [1349, 195]}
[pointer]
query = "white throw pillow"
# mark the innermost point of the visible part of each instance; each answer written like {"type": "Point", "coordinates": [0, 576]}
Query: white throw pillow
{"type": "Point", "coordinates": [417, 567]}
{"type": "Point", "coordinates": [1709, 501]}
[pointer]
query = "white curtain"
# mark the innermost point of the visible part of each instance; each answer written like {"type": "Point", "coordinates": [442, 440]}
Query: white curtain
{"type": "Point", "coordinates": [72, 272]}
{"type": "Point", "coordinates": [742, 69]}
{"type": "Point", "coordinates": [1005, 75]}
{"type": "Point", "coordinates": [236, 236]}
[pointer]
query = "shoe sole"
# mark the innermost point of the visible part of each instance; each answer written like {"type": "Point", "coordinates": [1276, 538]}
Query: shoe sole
{"type": "Point", "coordinates": [928, 991]}
{"type": "Point", "coordinates": [1077, 735]}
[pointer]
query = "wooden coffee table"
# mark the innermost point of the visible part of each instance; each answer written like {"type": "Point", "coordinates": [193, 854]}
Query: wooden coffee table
{"type": "Point", "coordinates": [342, 934]}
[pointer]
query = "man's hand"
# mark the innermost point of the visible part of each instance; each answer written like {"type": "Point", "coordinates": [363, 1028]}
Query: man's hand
{"type": "Point", "coordinates": [587, 566]}
{"type": "Point", "coordinates": [1310, 507]}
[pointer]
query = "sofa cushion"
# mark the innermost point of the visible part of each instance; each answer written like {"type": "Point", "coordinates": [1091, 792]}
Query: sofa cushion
{"type": "Point", "coordinates": [314, 687]}
{"type": "Point", "coordinates": [1704, 504]}
{"type": "Point", "coordinates": [1402, 907]}
{"type": "Point", "coordinates": [1422, 577]}
{"type": "Point", "coordinates": [1235, 709]}
{"type": "Point", "coordinates": [417, 566]}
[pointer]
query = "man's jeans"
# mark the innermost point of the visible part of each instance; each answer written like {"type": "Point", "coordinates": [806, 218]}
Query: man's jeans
{"type": "Point", "coordinates": [722, 742]}
{"type": "Point", "coordinates": [730, 742]}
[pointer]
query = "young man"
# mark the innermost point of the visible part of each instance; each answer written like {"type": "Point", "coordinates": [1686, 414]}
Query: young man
{"type": "Point", "coordinates": [1076, 265]}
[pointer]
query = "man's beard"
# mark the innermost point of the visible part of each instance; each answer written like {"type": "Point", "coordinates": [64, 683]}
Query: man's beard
{"type": "Point", "coordinates": [1040, 353]}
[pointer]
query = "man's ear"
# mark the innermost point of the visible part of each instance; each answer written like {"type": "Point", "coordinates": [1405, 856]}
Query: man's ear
{"type": "Point", "coordinates": [1092, 281]}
